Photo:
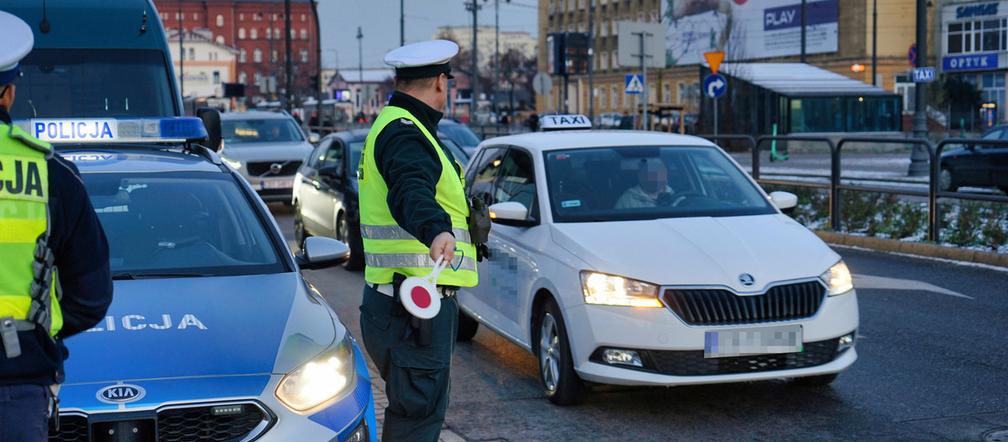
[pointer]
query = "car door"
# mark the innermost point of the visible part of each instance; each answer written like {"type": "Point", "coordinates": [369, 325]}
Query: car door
{"type": "Point", "coordinates": [997, 162]}
{"type": "Point", "coordinates": [480, 178]}
{"type": "Point", "coordinates": [512, 265]}
{"type": "Point", "coordinates": [310, 189]}
{"type": "Point", "coordinates": [975, 166]}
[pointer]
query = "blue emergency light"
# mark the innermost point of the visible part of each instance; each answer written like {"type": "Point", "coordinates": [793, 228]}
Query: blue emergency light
{"type": "Point", "coordinates": [114, 130]}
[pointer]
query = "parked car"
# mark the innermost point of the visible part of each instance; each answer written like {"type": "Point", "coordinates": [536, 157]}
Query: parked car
{"type": "Point", "coordinates": [266, 148]}
{"type": "Point", "coordinates": [461, 134]}
{"type": "Point", "coordinates": [976, 165]}
{"type": "Point", "coordinates": [325, 191]}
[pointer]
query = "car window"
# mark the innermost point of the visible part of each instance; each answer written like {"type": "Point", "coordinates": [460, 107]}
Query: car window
{"type": "Point", "coordinates": [481, 181]}
{"type": "Point", "coordinates": [356, 147]}
{"type": "Point", "coordinates": [516, 180]}
{"type": "Point", "coordinates": [460, 133]}
{"type": "Point", "coordinates": [333, 156]}
{"type": "Point", "coordinates": [993, 135]}
{"type": "Point", "coordinates": [455, 150]}
{"type": "Point", "coordinates": [627, 183]}
{"type": "Point", "coordinates": [260, 130]}
{"type": "Point", "coordinates": [180, 222]}
{"type": "Point", "coordinates": [318, 154]}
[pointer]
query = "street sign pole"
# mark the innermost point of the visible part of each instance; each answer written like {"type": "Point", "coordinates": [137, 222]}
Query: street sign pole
{"type": "Point", "coordinates": [644, 105]}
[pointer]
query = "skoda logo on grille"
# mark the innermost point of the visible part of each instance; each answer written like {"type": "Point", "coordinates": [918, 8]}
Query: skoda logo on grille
{"type": "Point", "coordinates": [746, 279]}
{"type": "Point", "coordinates": [121, 393]}
{"type": "Point", "coordinates": [275, 168]}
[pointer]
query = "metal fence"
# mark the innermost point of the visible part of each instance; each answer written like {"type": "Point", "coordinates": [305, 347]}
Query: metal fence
{"type": "Point", "coordinates": [836, 185]}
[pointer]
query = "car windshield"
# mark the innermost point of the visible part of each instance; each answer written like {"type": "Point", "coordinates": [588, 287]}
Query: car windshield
{"type": "Point", "coordinates": [89, 83]}
{"type": "Point", "coordinates": [180, 223]}
{"type": "Point", "coordinates": [460, 133]}
{"type": "Point", "coordinates": [632, 183]}
{"type": "Point", "coordinates": [260, 130]}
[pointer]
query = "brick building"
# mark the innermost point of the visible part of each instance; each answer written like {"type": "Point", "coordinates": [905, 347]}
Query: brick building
{"type": "Point", "coordinates": [255, 29]}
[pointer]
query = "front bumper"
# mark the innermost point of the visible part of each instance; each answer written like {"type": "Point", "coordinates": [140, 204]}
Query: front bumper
{"type": "Point", "coordinates": [659, 331]}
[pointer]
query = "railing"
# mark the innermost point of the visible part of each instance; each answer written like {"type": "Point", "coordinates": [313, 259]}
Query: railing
{"type": "Point", "coordinates": [836, 185]}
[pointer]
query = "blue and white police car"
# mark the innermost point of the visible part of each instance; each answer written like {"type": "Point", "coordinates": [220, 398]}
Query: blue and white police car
{"type": "Point", "coordinates": [213, 333]}
{"type": "Point", "coordinates": [642, 258]}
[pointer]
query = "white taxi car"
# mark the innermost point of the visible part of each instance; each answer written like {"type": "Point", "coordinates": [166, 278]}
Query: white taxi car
{"type": "Point", "coordinates": [642, 258]}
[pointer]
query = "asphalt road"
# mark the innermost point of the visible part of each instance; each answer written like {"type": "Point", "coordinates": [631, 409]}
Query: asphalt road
{"type": "Point", "coordinates": [932, 366]}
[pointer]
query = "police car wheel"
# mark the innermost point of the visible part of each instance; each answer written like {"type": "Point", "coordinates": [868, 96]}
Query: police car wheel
{"type": "Point", "coordinates": [467, 327]}
{"type": "Point", "coordinates": [556, 367]}
{"type": "Point", "coordinates": [816, 381]}
{"type": "Point", "coordinates": [299, 229]}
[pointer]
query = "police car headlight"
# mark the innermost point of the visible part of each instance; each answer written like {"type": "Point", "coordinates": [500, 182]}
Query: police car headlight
{"type": "Point", "coordinates": [325, 377]}
{"type": "Point", "coordinates": [603, 289]}
{"type": "Point", "coordinates": [236, 165]}
{"type": "Point", "coordinates": [838, 279]}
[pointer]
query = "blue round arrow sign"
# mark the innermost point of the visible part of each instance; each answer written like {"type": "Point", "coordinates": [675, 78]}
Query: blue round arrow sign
{"type": "Point", "coordinates": [715, 85]}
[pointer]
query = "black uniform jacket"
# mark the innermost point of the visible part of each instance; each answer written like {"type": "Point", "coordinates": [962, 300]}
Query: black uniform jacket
{"type": "Point", "coordinates": [409, 164]}
{"type": "Point", "coordinates": [82, 261]}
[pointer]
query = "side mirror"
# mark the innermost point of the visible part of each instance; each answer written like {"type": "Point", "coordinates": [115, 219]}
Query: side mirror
{"type": "Point", "coordinates": [212, 121]}
{"type": "Point", "coordinates": [321, 252]}
{"type": "Point", "coordinates": [785, 201]}
{"type": "Point", "coordinates": [314, 138]}
{"type": "Point", "coordinates": [510, 213]}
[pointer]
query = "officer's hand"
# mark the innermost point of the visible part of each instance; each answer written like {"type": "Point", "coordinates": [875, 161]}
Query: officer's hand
{"type": "Point", "coordinates": [443, 245]}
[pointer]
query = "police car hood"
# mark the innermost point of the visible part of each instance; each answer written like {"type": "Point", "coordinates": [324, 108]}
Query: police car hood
{"type": "Point", "coordinates": [699, 251]}
{"type": "Point", "coordinates": [203, 327]}
{"type": "Point", "coordinates": [246, 152]}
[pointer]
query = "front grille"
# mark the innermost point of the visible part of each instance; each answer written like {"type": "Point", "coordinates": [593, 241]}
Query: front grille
{"type": "Point", "coordinates": [693, 363]}
{"type": "Point", "coordinates": [722, 307]}
{"type": "Point", "coordinates": [72, 428]}
{"type": "Point", "coordinates": [263, 168]}
{"type": "Point", "coordinates": [199, 423]}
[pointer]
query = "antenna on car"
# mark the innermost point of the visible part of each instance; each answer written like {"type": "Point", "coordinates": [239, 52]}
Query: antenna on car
{"type": "Point", "coordinates": [43, 25]}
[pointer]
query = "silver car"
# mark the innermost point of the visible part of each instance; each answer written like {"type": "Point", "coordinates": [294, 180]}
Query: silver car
{"type": "Point", "coordinates": [267, 149]}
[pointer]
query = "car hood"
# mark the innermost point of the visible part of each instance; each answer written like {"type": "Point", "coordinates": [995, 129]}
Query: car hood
{"type": "Point", "coordinates": [267, 151]}
{"type": "Point", "coordinates": [699, 251]}
{"type": "Point", "coordinates": [203, 327]}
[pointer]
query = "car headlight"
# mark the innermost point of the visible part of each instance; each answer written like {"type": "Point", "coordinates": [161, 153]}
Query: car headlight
{"type": "Point", "coordinates": [600, 288]}
{"type": "Point", "coordinates": [236, 165]}
{"type": "Point", "coordinates": [838, 279]}
{"type": "Point", "coordinates": [326, 376]}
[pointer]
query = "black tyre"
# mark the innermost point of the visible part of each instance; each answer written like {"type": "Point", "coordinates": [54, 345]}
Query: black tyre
{"type": "Point", "coordinates": [816, 381]}
{"type": "Point", "coordinates": [947, 181]}
{"type": "Point", "coordinates": [467, 327]}
{"type": "Point", "coordinates": [300, 233]}
{"type": "Point", "coordinates": [352, 240]}
{"type": "Point", "coordinates": [556, 366]}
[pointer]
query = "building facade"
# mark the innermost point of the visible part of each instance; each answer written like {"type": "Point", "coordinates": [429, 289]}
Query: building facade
{"type": "Point", "coordinates": [255, 29]}
{"type": "Point", "coordinates": [523, 42]}
{"type": "Point", "coordinates": [367, 90]}
{"type": "Point", "coordinates": [839, 39]}
{"type": "Point", "coordinates": [974, 48]}
{"type": "Point", "coordinates": [207, 64]}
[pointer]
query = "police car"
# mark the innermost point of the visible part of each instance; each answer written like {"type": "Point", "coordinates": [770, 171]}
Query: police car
{"type": "Point", "coordinates": [213, 333]}
{"type": "Point", "coordinates": [642, 258]}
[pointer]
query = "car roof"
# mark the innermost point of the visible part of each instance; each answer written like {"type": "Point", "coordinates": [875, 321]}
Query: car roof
{"type": "Point", "coordinates": [255, 115]}
{"type": "Point", "coordinates": [136, 159]}
{"type": "Point", "coordinates": [351, 135]}
{"type": "Point", "coordinates": [583, 139]}
{"type": "Point", "coordinates": [93, 23]}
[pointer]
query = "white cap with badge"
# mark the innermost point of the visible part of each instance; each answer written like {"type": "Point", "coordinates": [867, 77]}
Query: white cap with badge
{"type": "Point", "coordinates": [18, 41]}
{"type": "Point", "coordinates": [422, 60]}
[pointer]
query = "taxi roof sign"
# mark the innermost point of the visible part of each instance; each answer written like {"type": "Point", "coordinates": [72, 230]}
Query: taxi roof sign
{"type": "Point", "coordinates": [564, 122]}
{"type": "Point", "coordinates": [112, 130]}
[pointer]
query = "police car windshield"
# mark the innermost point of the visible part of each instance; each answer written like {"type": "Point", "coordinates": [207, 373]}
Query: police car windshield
{"type": "Point", "coordinates": [633, 183]}
{"type": "Point", "coordinates": [82, 83]}
{"type": "Point", "coordinates": [261, 130]}
{"type": "Point", "coordinates": [180, 223]}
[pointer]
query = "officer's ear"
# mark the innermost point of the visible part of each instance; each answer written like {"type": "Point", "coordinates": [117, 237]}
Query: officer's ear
{"type": "Point", "coordinates": [442, 83]}
{"type": "Point", "coordinates": [7, 96]}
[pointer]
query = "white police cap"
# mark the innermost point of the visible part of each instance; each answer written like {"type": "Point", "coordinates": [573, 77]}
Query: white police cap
{"type": "Point", "coordinates": [423, 59]}
{"type": "Point", "coordinates": [17, 40]}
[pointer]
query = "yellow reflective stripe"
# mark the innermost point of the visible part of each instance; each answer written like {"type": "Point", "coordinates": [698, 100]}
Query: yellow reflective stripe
{"type": "Point", "coordinates": [14, 305]}
{"type": "Point", "coordinates": [415, 260]}
{"type": "Point", "coordinates": [396, 232]}
{"type": "Point", "coordinates": [19, 230]}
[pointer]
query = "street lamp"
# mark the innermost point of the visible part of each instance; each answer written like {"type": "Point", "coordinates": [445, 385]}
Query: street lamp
{"type": "Point", "coordinates": [360, 65]}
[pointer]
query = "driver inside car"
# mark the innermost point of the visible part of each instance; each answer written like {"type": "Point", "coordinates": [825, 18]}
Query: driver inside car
{"type": "Point", "coordinates": [652, 187]}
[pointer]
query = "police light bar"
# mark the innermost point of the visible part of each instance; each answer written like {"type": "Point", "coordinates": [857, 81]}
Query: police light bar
{"type": "Point", "coordinates": [112, 130]}
{"type": "Point", "coordinates": [564, 122]}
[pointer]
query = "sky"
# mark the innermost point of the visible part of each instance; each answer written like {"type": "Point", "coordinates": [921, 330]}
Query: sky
{"type": "Point", "coordinates": [379, 20]}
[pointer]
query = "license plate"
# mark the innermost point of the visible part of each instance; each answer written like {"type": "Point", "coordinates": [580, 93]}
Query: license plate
{"type": "Point", "coordinates": [753, 341]}
{"type": "Point", "coordinates": [281, 184]}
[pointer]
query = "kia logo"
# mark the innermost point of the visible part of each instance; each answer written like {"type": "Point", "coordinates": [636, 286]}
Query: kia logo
{"type": "Point", "coordinates": [121, 393]}
{"type": "Point", "coordinates": [275, 168]}
{"type": "Point", "coordinates": [746, 279]}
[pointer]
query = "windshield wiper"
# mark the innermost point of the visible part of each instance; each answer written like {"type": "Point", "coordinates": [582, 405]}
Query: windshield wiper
{"type": "Point", "coordinates": [155, 275]}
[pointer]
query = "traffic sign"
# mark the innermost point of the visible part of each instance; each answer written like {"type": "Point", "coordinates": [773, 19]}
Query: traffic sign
{"type": "Point", "coordinates": [715, 85]}
{"type": "Point", "coordinates": [542, 84]}
{"type": "Point", "coordinates": [923, 75]}
{"type": "Point", "coordinates": [714, 59]}
{"type": "Point", "coordinates": [634, 84]}
{"type": "Point", "coordinates": [912, 54]}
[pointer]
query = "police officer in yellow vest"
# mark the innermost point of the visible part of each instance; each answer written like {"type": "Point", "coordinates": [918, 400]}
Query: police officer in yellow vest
{"type": "Point", "coordinates": [54, 266]}
{"type": "Point", "coordinates": [413, 211]}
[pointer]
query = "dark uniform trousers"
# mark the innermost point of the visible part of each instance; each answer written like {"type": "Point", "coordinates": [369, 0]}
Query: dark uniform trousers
{"type": "Point", "coordinates": [416, 377]}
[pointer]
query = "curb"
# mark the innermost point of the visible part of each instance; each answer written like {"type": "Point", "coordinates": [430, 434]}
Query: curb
{"type": "Point", "coordinates": [915, 248]}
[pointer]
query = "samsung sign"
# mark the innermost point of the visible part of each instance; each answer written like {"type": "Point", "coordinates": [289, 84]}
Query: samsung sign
{"type": "Point", "coordinates": [978, 62]}
{"type": "Point", "coordinates": [976, 10]}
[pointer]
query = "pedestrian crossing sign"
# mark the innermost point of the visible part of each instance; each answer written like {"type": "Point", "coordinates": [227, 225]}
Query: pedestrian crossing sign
{"type": "Point", "coordinates": [634, 84]}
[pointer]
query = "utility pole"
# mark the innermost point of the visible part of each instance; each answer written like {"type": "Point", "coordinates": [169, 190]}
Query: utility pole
{"type": "Point", "coordinates": [318, 60]}
{"type": "Point", "coordinates": [591, 60]}
{"type": "Point", "coordinates": [402, 22]}
{"type": "Point", "coordinates": [643, 65]}
{"type": "Point", "coordinates": [474, 77]}
{"type": "Point", "coordinates": [496, 82]}
{"type": "Point", "coordinates": [288, 68]}
{"type": "Point", "coordinates": [803, 22]}
{"type": "Point", "coordinates": [181, 50]}
{"type": "Point", "coordinates": [874, 43]}
{"type": "Point", "coordinates": [919, 157]}
{"type": "Point", "coordinates": [360, 67]}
